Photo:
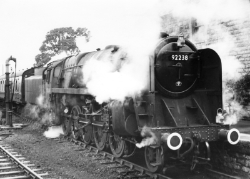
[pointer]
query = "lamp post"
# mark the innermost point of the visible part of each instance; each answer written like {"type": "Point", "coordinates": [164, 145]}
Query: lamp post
{"type": "Point", "coordinates": [7, 93]}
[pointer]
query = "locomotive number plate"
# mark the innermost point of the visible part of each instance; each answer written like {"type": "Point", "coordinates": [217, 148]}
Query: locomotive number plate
{"type": "Point", "coordinates": [180, 57]}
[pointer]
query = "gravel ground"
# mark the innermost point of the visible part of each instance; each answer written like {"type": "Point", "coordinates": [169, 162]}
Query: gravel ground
{"type": "Point", "coordinates": [62, 160]}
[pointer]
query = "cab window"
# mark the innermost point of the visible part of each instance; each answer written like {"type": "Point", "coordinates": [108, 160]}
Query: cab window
{"type": "Point", "coordinates": [57, 71]}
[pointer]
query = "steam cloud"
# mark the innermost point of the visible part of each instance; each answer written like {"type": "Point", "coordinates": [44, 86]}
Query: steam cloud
{"type": "Point", "coordinates": [62, 55]}
{"type": "Point", "coordinates": [43, 114]}
{"type": "Point", "coordinates": [135, 29]}
{"type": "Point", "coordinates": [53, 132]}
{"type": "Point", "coordinates": [125, 73]}
{"type": "Point", "coordinates": [210, 16]}
{"type": "Point", "coordinates": [40, 112]}
{"type": "Point", "coordinates": [214, 19]}
{"type": "Point", "coordinates": [115, 76]}
{"type": "Point", "coordinates": [138, 34]}
{"type": "Point", "coordinates": [150, 138]}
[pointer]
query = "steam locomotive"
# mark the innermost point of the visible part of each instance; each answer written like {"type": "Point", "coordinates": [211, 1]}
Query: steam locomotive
{"type": "Point", "coordinates": [174, 119]}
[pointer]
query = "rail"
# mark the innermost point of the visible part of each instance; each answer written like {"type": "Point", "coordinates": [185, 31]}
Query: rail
{"type": "Point", "coordinates": [13, 158]}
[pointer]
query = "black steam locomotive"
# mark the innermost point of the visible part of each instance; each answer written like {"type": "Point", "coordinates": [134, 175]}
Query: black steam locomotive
{"type": "Point", "coordinates": [173, 120]}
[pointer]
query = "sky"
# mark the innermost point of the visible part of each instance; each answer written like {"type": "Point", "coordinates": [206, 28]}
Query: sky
{"type": "Point", "coordinates": [24, 23]}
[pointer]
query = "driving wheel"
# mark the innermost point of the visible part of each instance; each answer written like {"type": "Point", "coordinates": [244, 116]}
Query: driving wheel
{"type": "Point", "coordinates": [117, 145]}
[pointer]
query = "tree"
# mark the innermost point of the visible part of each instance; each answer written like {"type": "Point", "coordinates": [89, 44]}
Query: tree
{"type": "Point", "coordinates": [58, 40]}
{"type": "Point", "coordinates": [42, 58]}
{"type": "Point", "coordinates": [241, 89]}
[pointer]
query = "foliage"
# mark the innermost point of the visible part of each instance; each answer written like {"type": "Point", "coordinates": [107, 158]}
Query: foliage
{"type": "Point", "coordinates": [42, 58]}
{"type": "Point", "coordinates": [241, 88]}
{"type": "Point", "coordinates": [58, 40]}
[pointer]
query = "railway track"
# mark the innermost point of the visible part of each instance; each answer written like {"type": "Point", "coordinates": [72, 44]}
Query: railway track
{"type": "Point", "coordinates": [129, 169]}
{"type": "Point", "coordinates": [15, 166]}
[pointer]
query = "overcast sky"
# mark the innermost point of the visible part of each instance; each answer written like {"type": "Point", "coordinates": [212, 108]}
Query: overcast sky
{"type": "Point", "coordinates": [24, 23]}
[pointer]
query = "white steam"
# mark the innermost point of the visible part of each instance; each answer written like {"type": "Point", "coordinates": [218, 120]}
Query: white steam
{"type": "Point", "coordinates": [60, 56]}
{"type": "Point", "coordinates": [41, 112]}
{"type": "Point", "coordinates": [218, 23]}
{"type": "Point", "coordinates": [234, 111]}
{"type": "Point", "coordinates": [210, 16]}
{"type": "Point", "coordinates": [115, 76]}
{"type": "Point", "coordinates": [206, 10]}
{"type": "Point", "coordinates": [42, 102]}
{"type": "Point", "coordinates": [231, 66]}
{"type": "Point", "coordinates": [44, 114]}
{"type": "Point", "coordinates": [136, 32]}
{"type": "Point", "coordinates": [44, 106]}
{"type": "Point", "coordinates": [133, 24]}
{"type": "Point", "coordinates": [136, 28]}
{"type": "Point", "coordinates": [53, 132]}
{"type": "Point", "coordinates": [150, 138]}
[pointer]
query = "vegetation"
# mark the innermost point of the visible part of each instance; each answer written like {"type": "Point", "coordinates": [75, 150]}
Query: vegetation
{"type": "Point", "coordinates": [241, 89]}
{"type": "Point", "coordinates": [58, 40]}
